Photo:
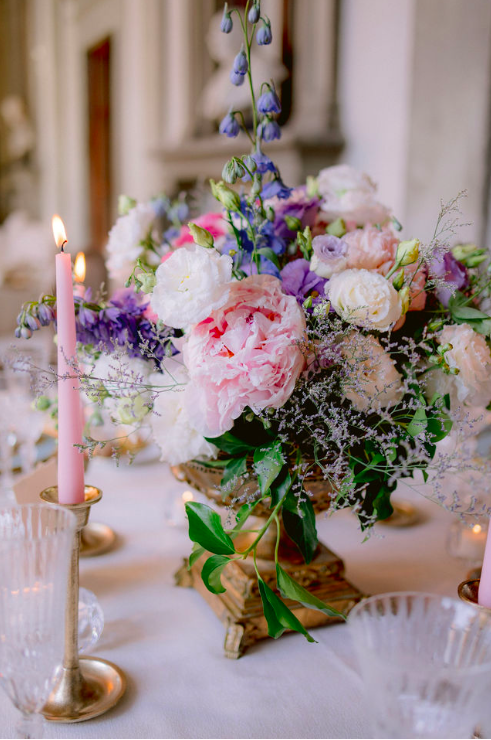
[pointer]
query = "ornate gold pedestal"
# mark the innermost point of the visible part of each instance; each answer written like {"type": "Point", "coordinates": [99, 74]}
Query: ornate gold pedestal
{"type": "Point", "coordinates": [239, 608]}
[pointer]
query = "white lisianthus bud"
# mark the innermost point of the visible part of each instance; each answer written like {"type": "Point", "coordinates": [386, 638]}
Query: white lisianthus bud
{"type": "Point", "coordinates": [148, 281]}
{"type": "Point", "coordinates": [405, 298]}
{"type": "Point", "coordinates": [125, 204]}
{"type": "Point", "coordinates": [407, 252]}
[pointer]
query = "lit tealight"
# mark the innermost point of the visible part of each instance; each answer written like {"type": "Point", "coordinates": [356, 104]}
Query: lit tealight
{"type": "Point", "coordinates": [477, 528]}
{"type": "Point", "coordinates": [79, 268]}
{"type": "Point", "coordinates": [187, 496]}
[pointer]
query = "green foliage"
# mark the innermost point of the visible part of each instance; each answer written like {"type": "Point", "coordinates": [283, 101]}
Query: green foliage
{"type": "Point", "coordinates": [205, 528]}
{"type": "Point", "coordinates": [234, 468]}
{"type": "Point", "coordinates": [462, 313]}
{"type": "Point", "coordinates": [290, 589]}
{"type": "Point", "coordinates": [211, 573]}
{"type": "Point", "coordinates": [268, 462]}
{"type": "Point", "coordinates": [278, 615]}
{"type": "Point", "coordinates": [299, 521]}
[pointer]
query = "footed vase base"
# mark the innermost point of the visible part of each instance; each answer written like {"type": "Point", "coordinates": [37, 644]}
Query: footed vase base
{"type": "Point", "coordinates": [240, 609]}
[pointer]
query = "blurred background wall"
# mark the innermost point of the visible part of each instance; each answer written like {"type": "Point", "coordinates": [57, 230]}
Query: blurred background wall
{"type": "Point", "coordinates": [101, 97]}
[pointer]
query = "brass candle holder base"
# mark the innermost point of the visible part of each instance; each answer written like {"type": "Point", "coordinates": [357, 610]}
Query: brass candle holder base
{"type": "Point", "coordinates": [468, 591]}
{"type": "Point", "coordinates": [86, 687]}
{"type": "Point", "coordinates": [96, 539]}
{"type": "Point", "coordinates": [240, 609]}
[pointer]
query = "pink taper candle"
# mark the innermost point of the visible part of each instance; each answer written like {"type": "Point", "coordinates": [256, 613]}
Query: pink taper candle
{"type": "Point", "coordinates": [70, 423]}
{"type": "Point", "coordinates": [484, 595]}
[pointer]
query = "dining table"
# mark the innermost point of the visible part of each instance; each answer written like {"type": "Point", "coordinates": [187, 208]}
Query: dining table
{"type": "Point", "coordinates": [169, 643]}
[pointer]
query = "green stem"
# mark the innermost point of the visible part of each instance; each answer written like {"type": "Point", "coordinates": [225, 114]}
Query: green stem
{"type": "Point", "coordinates": [278, 537]}
{"type": "Point", "coordinates": [262, 531]}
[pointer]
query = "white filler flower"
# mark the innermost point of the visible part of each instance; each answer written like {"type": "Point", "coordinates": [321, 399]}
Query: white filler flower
{"type": "Point", "coordinates": [191, 283]}
{"type": "Point", "coordinates": [124, 245]}
{"type": "Point", "coordinates": [364, 298]}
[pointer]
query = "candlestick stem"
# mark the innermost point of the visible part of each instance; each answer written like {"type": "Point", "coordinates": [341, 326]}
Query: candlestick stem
{"type": "Point", "coordinates": [86, 687]}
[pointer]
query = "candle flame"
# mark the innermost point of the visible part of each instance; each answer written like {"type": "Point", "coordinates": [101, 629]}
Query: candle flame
{"type": "Point", "coordinates": [59, 232]}
{"type": "Point", "coordinates": [476, 528]}
{"type": "Point", "coordinates": [79, 268]}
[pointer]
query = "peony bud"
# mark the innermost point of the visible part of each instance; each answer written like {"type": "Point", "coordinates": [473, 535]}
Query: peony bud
{"type": "Point", "coordinates": [201, 236]}
{"type": "Point", "coordinates": [407, 252]}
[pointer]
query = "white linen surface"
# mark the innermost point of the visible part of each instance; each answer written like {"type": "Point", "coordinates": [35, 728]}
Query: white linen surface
{"type": "Point", "coordinates": [169, 642]}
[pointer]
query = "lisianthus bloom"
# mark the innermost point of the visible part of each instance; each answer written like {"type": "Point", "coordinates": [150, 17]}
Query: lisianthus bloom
{"type": "Point", "coordinates": [171, 426]}
{"type": "Point", "coordinates": [364, 298]}
{"type": "Point", "coordinates": [298, 205]}
{"type": "Point", "coordinates": [471, 357]}
{"type": "Point", "coordinates": [212, 222]}
{"type": "Point", "coordinates": [372, 379]}
{"type": "Point", "coordinates": [453, 272]}
{"type": "Point", "coordinates": [190, 284]}
{"type": "Point", "coordinates": [119, 385]}
{"type": "Point", "coordinates": [330, 255]}
{"type": "Point", "coordinates": [369, 248]}
{"type": "Point", "coordinates": [125, 240]}
{"type": "Point", "coordinates": [298, 280]}
{"type": "Point", "coordinates": [244, 354]}
{"type": "Point", "coordinates": [350, 194]}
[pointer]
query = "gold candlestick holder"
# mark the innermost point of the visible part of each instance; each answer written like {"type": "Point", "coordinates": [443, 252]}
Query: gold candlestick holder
{"type": "Point", "coordinates": [96, 539]}
{"type": "Point", "coordinates": [86, 686]}
{"type": "Point", "coordinates": [468, 591]}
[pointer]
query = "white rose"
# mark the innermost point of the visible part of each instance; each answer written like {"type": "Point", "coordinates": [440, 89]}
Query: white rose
{"type": "Point", "coordinates": [372, 379]}
{"type": "Point", "coordinates": [364, 298]}
{"type": "Point", "coordinates": [172, 429]}
{"type": "Point", "coordinates": [350, 194]}
{"type": "Point", "coordinates": [191, 284]}
{"type": "Point", "coordinates": [123, 247]}
{"type": "Point", "coordinates": [471, 356]}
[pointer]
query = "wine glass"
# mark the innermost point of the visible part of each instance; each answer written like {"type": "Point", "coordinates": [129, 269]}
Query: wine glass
{"type": "Point", "coordinates": [426, 664]}
{"type": "Point", "coordinates": [35, 551]}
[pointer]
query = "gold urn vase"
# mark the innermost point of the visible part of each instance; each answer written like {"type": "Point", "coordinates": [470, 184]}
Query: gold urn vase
{"type": "Point", "coordinates": [240, 608]}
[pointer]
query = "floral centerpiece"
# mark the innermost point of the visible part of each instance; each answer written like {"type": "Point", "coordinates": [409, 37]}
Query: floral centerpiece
{"type": "Point", "coordinates": [289, 334]}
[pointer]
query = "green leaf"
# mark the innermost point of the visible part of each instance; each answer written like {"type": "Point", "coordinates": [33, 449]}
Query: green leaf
{"type": "Point", "coordinates": [290, 589]}
{"type": "Point", "coordinates": [299, 521]}
{"type": "Point", "coordinates": [280, 487]}
{"type": "Point", "coordinates": [466, 313]}
{"type": "Point", "coordinates": [231, 444]}
{"type": "Point", "coordinates": [418, 423]}
{"type": "Point", "coordinates": [278, 615]}
{"type": "Point", "coordinates": [205, 528]}
{"type": "Point", "coordinates": [212, 572]}
{"type": "Point", "coordinates": [270, 255]}
{"type": "Point", "coordinates": [235, 467]}
{"type": "Point", "coordinates": [243, 513]}
{"type": "Point", "coordinates": [268, 462]}
{"type": "Point", "coordinates": [381, 503]}
{"type": "Point", "coordinates": [196, 553]}
{"type": "Point", "coordinates": [425, 476]}
{"type": "Point", "coordinates": [439, 427]}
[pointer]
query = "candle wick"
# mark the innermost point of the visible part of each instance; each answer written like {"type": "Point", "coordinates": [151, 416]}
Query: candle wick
{"type": "Point", "coordinates": [65, 242]}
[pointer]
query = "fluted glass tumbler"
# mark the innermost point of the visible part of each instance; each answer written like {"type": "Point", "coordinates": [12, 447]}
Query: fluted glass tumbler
{"type": "Point", "coordinates": [425, 662]}
{"type": "Point", "coordinates": [35, 551]}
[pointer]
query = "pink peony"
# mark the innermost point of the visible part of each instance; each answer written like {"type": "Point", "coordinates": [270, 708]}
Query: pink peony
{"type": "Point", "coordinates": [244, 354]}
{"type": "Point", "coordinates": [213, 222]}
{"type": "Point", "coordinates": [369, 248]}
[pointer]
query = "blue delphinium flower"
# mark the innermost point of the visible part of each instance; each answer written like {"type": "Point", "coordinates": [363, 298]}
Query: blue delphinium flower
{"type": "Point", "coordinates": [229, 126]}
{"type": "Point", "coordinates": [264, 35]}
{"type": "Point", "coordinates": [45, 314]}
{"type": "Point", "coordinates": [226, 24]}
{"type": "Point", "coordinates": [269, 102]}
{"type": "Point", "coordinates": [269, 130]}
{"type": "Point", "coordinates": [236, 78]}
{"type": "Point", "coordinates": [263, 162]}
{"type": "Point", "coordinates": [240, 65]}
{"type": "Point", "coordinates": [276, 188]}
{"type": "Point", "coordinates": [254, 13]}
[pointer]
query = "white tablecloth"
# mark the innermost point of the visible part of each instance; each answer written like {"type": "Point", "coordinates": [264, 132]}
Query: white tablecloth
{"type": "Point", "coordinates": [169, 643]}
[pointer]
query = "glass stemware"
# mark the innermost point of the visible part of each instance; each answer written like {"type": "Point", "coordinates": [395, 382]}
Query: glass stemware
{"type": "Point", "coordinates": [425, 662]}
{"type": "Point", "coordinates": [35, 549]}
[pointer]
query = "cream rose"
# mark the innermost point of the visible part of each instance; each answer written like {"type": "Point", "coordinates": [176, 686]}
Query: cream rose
{"type": "Point", "coordinates": [372, 379]}
{"type": "Point", "coordinates": [364, 298]}
{"type": "Point", "coordinates": [470, 355]}
{"type": "Point", "coordinates": [191, 283]}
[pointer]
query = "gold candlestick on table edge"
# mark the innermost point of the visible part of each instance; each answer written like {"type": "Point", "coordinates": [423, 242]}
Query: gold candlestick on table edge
{"type": "Point", "coordinates": [96, 539]}
{"type": "Point", "coordinates": [468, 591]}
{"type": "Point", "coordinates": [87, 686]}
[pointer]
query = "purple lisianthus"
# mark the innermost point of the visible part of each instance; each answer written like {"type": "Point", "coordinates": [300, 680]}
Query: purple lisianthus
{"type": "Point", "coordinates": [453, 272]}
{"type": "Point", "coordinates": [330, 255]}
{"type": "Point", "coordinates": [305, 210]}
{"type": "Point", "coordinates": [298, 280]}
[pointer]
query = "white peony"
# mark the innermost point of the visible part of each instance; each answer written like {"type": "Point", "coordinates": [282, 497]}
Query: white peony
{"type": "Point", "coordinates": [121, 378]}
{"type": "Point", "coordinates": [364, 298]}
{"type": "Point", "coordinates": [372, 379]}
{"type": "Point", "coordinates": [191, 283]}
{"type": "Point", "coordinates": [471, 356]}
{"type": "Point", "coordinates": [124, 245]}
{"type": "Point", "coordinates": [172, 430]}
{"type": "Point", "coordinates": [349, 194]}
